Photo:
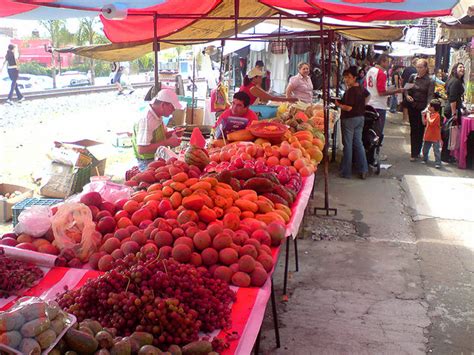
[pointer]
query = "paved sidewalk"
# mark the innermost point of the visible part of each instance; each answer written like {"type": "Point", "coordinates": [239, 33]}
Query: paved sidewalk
{"type": "Point", "coordinates": [395, 276]}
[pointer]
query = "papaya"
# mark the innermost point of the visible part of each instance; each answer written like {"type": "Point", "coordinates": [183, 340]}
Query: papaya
{"type": "Point", "coordinates": [212, 180]}
{"type": "Point", "coordinates": [276, 198]}
{"type": "Point", "coordinates": [235, 184]}
{"type": "Point", "coordinates": [218, 143]}
{"type": "Point", "coordinates": [191, 181]}
{"type": "Point", "coordinates": [155, 195]}
{"type": "Point", "coordinates": [250, 197]}
{"type": "Point", "coordinates": [201, 185]}
{"type": "Point", "coordinates": [271, 176]}
{"type": "Point", "coordinates": [258, 184]}
{"type": "Point", "coordinates": [234, 210]}
{"type": "Point", "coordinates": [247, 214]}
{"type": "Point", "coordinates": [265, 199]}
{"type": "Point", "coordinates": [264, 206]}
{"type": "Point", "coordinates": [247, 192]}
{"type": "Point", "coordinates": [282, 207]}
{"type": "Point", "coordinates": [246, 205]}
{"type": "Point", "coordinates": [154, 187]}
{"type": "Point", "coordinates": [180, 177]}
{"type": "Point", "coordinates": [207, 215]}
{"type": "Point", "coordinates": [243, 174]}
{"type": "Point", "coordinates": [193, 202]}
{"type": "Point", "coordinates": [284, 193]}
{"type": "Point", "coordinates": [226, 192]}
{"type": "Point", "coordinates": [223, 202]}
{"type": "Point", "coordinates": [224, 176]}
{"type": "Point", "coordinates": [80, 342]}
{"type": "Point", "coordinates": [240, 135]}
{"type": "Point", "coordinates": [283, 214]}
{"type": "Point", "coordinates": [176, 199]}
{"type": "Point", "coordinates": [225, 186]}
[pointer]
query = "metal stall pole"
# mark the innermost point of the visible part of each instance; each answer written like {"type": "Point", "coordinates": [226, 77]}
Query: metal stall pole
{"type": "Point", "coordinates": [193, 86]}
{"type": "Point", "coordinates": [156, 49]}
{"type": "Point", "coordinates": [334, 133]}
{"type": "Point", "coordinates": [326, 84]}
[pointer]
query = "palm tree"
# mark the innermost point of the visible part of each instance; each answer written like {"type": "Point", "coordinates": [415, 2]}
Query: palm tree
{"type": "Point", "coordinates": [88, 36]}
{"type": "Point", "coordinates": [59, 36]}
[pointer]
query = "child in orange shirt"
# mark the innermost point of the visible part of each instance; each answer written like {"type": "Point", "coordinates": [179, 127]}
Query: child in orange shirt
{"type": "Point", "coordinates": [432, 137]}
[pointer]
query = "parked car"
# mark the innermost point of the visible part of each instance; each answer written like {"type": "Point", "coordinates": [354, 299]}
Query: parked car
{"type": "Point", "coordinates": [72, 79]}
{"type": "Point", "coordinates": [27, 83]}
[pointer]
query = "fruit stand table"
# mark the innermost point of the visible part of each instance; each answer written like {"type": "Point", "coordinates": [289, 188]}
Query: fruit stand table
{"type": "Point", "coordinates": [467, 126]}
{"type": "Point", "coordinates": [247, 311]}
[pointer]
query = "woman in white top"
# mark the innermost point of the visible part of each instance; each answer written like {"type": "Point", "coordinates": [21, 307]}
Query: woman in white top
{"type": "Point", "coordinates": [300, 85]}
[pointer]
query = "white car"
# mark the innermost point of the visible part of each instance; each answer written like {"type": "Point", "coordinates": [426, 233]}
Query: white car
{"type": "Point", "coordinates": [27, 83]}
{"type": "Point", "coordinates": [72, 79]}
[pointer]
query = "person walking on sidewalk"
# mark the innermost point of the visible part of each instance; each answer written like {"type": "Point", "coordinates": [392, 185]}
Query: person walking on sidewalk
{"type": "Point", "coordinates": [432, 137]}
{"type": "Point", "coordinates": [352, 108]}
{"type": "Point", "coordinates": [10, 61]}
{"type": "Point", "coordinates": [376, 84]}
{"type": "Point", "coordinates": [417, 99]}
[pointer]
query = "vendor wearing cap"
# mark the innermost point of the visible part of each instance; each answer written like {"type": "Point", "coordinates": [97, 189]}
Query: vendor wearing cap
{"type": "Point", "coordinates": [253, 88]}
{"type": "Point", "coordinates": [149, 132]}
{"type": "Point", "coordinates": [239, 108]}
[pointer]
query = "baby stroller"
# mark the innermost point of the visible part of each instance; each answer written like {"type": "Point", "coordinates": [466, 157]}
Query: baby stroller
{"type": "Point", "coordinates": [372, 138]}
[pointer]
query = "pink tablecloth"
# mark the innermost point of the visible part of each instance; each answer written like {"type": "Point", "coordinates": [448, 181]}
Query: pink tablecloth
{"type": "Point", "coordinates": [467, 126]}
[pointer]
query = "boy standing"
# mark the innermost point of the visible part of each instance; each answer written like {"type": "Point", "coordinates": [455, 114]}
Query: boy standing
{"type": "Point", "coordinates": [432, 137]}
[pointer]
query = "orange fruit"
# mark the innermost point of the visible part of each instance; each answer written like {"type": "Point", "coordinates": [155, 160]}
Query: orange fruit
{"type": "Point", "coordinates": [298, 164]}
{"type": "Point", "coordinates": [131, 206]}
{"type": "Point", "coordinates": [294, 154]}
{"type": "Point", "coordinates": [272, 161]}
{"type": "Point", "coordinates": [305, 171]}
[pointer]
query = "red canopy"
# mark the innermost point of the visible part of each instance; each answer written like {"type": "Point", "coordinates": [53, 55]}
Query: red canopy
{"type": "Point", "coordinates": [368, 10]}
{"type": "Point", "coordinates": [139, 28]}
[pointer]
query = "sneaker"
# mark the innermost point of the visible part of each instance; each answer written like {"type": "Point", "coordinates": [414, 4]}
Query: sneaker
{"type": "Point", "coordinates": [10, 102]}
{"type": "Point", "coordinates": [22, 99]}
{"type": "Point", "coordinates": [412, 159]}
{"type": "Point", "coordinates": [438, 166]}
{"type": "Point", "coordinates": [423, 162]}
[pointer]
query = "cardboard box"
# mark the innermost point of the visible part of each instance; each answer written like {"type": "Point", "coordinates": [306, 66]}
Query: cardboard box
{"type": "Point", "coordinates": [123, 140]}
{"type": "Point", "coordinates": [196, 119]}
{"type": "Point", "coordinates": [96, 150]}
{"type": "Point", "coordinates": [6, 205]}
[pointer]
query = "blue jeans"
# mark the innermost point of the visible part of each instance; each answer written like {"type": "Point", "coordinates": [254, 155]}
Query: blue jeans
{"type": "Point", "coordinates": [352, 141]}
{"type": "Point", "coordinates": [393, 103]}
{"type": "Point", "coordinates": [13, 74]}
{"type": "Point", "coordinates": [143, 164]}
{"type": "Point", "coordinates": [436, 149]}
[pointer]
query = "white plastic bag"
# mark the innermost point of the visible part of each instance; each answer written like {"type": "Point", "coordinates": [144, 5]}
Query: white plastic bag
{"type": "Point", "coordinates": [34, 221]}
{"type": "Point", "coordinates": [110, 191]}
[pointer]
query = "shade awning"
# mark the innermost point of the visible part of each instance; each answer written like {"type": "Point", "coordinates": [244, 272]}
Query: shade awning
{"type": "Point", "coordinates": [368, 10]}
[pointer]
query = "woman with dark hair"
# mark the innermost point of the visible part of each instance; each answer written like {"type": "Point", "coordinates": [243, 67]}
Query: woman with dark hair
{"type": "Point", "coordinates": [455, 92]}
{"type": "Point", "coordinates": [418, 98]}
{"type": "Point", "coordinates": [352, 108]}
{"type": "Point", "coordinates": [253, 88]}
{"type": "Point", "coordinates": [361, 77]}
{"type": "Point", "coordinates": [10, 61]}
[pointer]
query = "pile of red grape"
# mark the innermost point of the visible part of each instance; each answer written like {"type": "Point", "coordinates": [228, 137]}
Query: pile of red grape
{"type": "Point", "coordinates": [16, 275]}
{"type": "Point", "coordinates": [172, 301]}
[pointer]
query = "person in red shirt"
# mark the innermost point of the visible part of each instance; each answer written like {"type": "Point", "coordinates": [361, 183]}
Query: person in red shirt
{"type": "Point", "coordinates": [432, 137]}
{"type": "Point", "coordinates": [239, 108]}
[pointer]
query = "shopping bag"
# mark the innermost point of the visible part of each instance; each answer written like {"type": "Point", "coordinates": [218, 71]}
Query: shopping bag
{"type": "Point", "coordinates": [454, 137]}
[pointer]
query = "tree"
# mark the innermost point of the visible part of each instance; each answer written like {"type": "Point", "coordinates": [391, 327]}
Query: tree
{"type": "Point", "coordinates": [87, 35]}
{"type": "Point", "coordinates": [59, 36]}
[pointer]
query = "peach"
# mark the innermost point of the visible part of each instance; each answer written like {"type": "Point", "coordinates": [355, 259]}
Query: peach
{"type": "Point", "coordinates": [92, 198]}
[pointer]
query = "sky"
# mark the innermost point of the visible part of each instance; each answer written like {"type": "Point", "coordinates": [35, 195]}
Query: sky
{"type": "Point", "coordinates": [25, 27]}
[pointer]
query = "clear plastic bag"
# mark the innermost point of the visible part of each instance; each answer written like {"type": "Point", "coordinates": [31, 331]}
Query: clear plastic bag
{"type": "Point", "coordinates": [34, 221]}
{"type": "Point", "coordinates": [110, 191]}
{"type": "Point", "coordinates": [74, 229]}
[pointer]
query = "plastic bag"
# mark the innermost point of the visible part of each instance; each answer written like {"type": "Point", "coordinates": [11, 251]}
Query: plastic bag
{"type": "Point", "coordinates": [110, 191]}
{"type": "Point", "coordinates": [165, 153]}
{"type": "Point", "coordinates": [34, 221]}
{"type": "Point", "coordinates": [74, 229]}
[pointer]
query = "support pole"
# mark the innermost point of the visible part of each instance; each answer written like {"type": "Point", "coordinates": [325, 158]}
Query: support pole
{"type": "Point", "coordinates": [236, 17]}
{"type": "Point", "coordinates": [192, 86]}
{"type": "Point", "coordinates": [325, 87]}
{"type": "Point", "coordinates": [287, 257]}
{"type": "Point", "coordinates": [275, 317]}
{"type": "Point", "coordinates": [221, 69]}
{"type": "Point", "coordinates": [156, 49]}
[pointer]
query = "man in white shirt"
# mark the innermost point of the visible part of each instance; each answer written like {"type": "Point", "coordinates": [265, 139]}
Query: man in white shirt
{"type": "Point", "coordinates": [376, 85]}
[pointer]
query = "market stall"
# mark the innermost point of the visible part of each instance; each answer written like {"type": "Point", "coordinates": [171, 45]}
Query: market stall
{"type": "Point", "coordinates": [208, 223]}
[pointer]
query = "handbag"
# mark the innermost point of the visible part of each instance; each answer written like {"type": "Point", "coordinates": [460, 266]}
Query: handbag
{"type": "Point", "coordinates": [454, 137]}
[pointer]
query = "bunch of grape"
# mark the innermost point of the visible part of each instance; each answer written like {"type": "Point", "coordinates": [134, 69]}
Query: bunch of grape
{"type": "Point", "coordinates": [145, 293]}
{"type": "Point", "coordinates": [16, 275]}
